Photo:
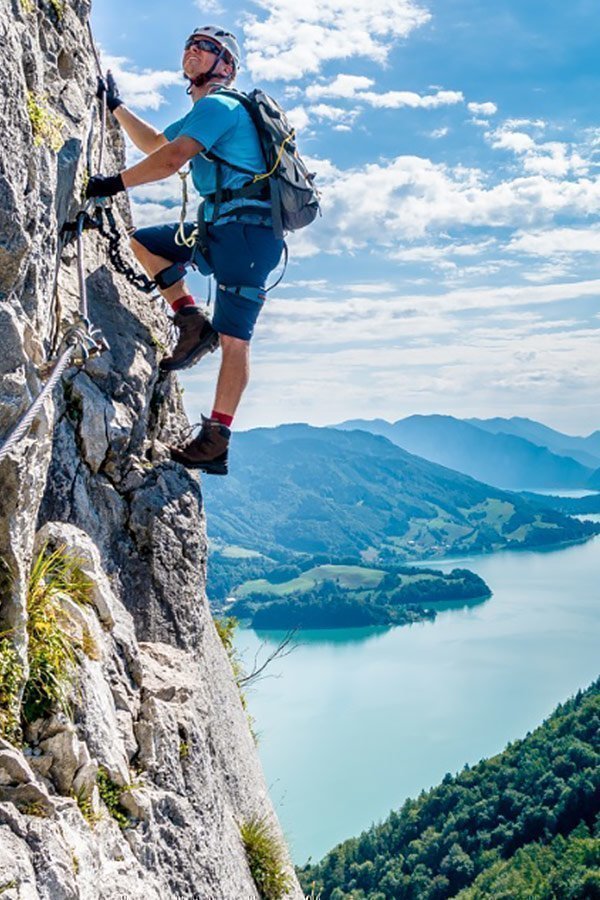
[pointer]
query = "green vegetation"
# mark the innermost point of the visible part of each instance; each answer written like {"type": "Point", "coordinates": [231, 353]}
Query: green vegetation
{"type": "Point", "coordinates": [345, 576]}
{"type": "Point", "coordinates": [53, 648]}
{"type": "Point", "coordinates": [308, 491]}
{"type": "Point", "coordinates": [226, 629]}
{"type": "Point", "coordinates": [346, 596]}
{"type": "Point", "coordinates": [266, 858]}
{"type": "Point", "coordinates": [11, 674]}
{"type": "Point", "coordinates": [568, 868]}
{"type": "Point", "coordinates": [34, 809]}
{"type": "Point", "coordinates": [46, 124]}
{"type": "Point", "coordinates": [85, 807]}
{"type": "Point", "coordinates": [518, 825]}
{"type": "Point", "coordinates": [110, 794]}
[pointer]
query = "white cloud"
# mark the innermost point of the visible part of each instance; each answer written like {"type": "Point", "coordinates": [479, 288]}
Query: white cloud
{"type": "Point", "coordinates": [356, 87]}
{"type": "Point", "coordinates": [332, 113]}
{"type": "Point", "coordinates": [210, 6]}
{"type": "Point", "coordinates": [482, 109]}
{"type": "Point", "coordinates": [557, 241]}
{"type": "Point", "coordinates": [166, 191]}
{"type": "Point", "coordinates": [294, 39]}
{"type": "Point", "coordinates": [409, 196]}
{"type": "Point", "coordinates": [523, 123]}
{"type": "Point", "coordinates": [398, 99]}
{"type": "Point", "coordinates": [437, 253]}
{"type": "Point", "coordinates": [420, 356]}
{"type": "Point", "coordinates": [145, 214]}
{"type": "Point", "coordinates": [518, 142]}
{"type": "Point", "coordinates": [438, 133]}
{"type": "Point", "coordinates": [140, 90]}
{"type": "Point", "coordinates": [341, 86]}
{"type": "Point", "coordinates": [552, 158]}
{"type": "Point", "coordinates": [298, 117]}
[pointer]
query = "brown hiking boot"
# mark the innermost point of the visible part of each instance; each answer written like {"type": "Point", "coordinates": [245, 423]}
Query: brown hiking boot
{"type": "Point", "coordinates": [197, 337]}
{"type": "Point", "coordinates": [208, 451]}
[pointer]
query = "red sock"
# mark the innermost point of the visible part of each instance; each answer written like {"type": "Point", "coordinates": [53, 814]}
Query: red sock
{"type": "Point", "coordinates": [223, 418]}
{"type": "Point", "coordinates": [182, 302]}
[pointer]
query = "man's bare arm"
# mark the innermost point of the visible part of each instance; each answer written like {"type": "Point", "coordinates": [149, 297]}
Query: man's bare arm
{"type": "Point", "coordinates": [145, 137]}
{"type": "Point", "coordinates": [163, 162]}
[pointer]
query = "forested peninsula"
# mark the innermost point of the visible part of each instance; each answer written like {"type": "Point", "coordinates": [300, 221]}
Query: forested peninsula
{"type": "Point", "coordinates": [349, 596]}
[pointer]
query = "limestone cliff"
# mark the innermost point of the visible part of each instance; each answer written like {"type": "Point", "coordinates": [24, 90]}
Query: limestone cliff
{"type": "Point", "coordinates": [154, 707]}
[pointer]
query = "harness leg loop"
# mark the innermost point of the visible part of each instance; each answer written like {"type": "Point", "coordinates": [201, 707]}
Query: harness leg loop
{"type": "Point", "coordinates": [169, 276]}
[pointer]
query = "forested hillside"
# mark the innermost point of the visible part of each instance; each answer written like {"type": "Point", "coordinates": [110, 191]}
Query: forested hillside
{"type": "Point", "coordinates": [523, 824]}
{"type": "Point", "coordinates": [319, 490]}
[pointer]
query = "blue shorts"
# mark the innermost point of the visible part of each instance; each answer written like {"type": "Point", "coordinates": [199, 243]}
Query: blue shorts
{"type": "Point", "coordinates": [242, 256]}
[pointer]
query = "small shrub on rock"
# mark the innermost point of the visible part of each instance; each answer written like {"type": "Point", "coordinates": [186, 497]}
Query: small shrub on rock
{"type": "Point", "coordinates": [266, 858]}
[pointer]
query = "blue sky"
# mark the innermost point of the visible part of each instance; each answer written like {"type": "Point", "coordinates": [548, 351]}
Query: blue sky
{"type": "Point", "coordinates": [458, 150]}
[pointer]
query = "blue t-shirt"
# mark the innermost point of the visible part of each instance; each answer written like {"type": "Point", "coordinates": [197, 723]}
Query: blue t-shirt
{"type": "Point", "coordinates": [222, 125]}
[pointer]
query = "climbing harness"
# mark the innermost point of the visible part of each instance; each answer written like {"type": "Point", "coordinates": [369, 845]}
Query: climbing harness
{"type": "Point", "coordinates": [81, 340]}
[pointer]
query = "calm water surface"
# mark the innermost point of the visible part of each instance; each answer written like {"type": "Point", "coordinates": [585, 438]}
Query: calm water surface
{"type": "Point", "coordinates": [358, 720]}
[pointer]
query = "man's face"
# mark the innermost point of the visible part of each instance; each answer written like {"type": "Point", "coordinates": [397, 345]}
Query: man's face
{"type": "Point", "coordinates": [198, 59]}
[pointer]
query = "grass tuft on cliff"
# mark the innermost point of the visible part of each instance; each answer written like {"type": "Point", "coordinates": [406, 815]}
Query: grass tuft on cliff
{"type": "Point", "coordinates": [52, 646]}
{"type": "Point", "coordinates": [266, 858]}
{"type": "Point", "coordinates": [11, 674]}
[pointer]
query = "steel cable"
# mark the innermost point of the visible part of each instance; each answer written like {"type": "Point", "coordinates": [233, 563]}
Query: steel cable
{"type": "Point", "coordinates": [82, 334]}
{"type": "Point", "coordinates": [23, 425]}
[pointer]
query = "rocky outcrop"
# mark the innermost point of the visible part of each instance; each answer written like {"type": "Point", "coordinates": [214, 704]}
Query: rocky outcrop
{"type": "Point", "coordinates": [139, 787]}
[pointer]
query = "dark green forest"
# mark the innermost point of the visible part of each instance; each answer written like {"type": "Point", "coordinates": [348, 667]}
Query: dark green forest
{"type": "Point", "coordinates": [523, 824]}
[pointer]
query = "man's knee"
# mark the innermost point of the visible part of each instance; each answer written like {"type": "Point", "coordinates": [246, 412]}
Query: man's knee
{"type": "Point", "coordinates": [236, 311]}
{"type": "Point", "coordinates": [230, 344]}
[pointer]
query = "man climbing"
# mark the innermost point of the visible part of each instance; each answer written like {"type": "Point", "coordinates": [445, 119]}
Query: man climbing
{"type": "Point", "coordinates": [236, 239]}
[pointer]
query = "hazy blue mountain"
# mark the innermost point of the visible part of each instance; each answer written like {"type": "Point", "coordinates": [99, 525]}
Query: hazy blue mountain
{"type": "Point", "coordinates": [321, 490]}
{"type": "Point", "coordinates": [594, 481]}
{"type": "Point", "coordinates": [504, 460]}
{"type": "Point", "coordinates": [585, 450]}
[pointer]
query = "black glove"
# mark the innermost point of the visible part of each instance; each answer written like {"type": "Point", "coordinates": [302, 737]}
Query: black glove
{"type": "Point", "coordinates": [108, 86]}
{"type": "Point", "coordinates": [104, 186]}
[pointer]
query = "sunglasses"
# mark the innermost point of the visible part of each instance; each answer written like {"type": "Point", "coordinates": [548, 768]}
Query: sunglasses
{"type": "Point", "coordinates": [203, 44]}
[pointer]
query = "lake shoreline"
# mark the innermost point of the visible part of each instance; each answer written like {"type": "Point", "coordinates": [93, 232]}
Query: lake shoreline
{"type": "Point", "coordinates": [357, 720]}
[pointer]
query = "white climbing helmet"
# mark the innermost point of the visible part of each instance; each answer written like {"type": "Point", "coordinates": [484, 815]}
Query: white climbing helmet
{"type": "Point", "coordinates": [226, 39]}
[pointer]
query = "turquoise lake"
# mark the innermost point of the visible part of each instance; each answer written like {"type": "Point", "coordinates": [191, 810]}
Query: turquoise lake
{"type": "Point", "coordinates": [356, 720]}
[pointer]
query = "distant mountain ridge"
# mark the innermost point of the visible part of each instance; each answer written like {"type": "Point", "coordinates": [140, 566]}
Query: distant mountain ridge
{"type": "Point", "coordinates": [585, 450]}
{"type": "Point", "coordinates": [301, 489]}
{"type": "Point", "coordinates": [507, 461]}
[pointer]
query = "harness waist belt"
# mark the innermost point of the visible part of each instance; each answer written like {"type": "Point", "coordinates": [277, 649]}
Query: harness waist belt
{"type": "Point", "coordinates": [257, 190]}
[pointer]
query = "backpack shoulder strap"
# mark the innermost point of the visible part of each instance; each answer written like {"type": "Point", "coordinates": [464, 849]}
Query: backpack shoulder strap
{"type": "Point", "coordinates": [246, 102]}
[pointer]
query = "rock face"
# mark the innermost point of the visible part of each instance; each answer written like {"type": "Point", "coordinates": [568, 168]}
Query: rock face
{"type": "Point", "coordinates": [155, 714]}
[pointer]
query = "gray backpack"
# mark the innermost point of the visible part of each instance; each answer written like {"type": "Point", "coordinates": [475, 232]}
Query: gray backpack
{"type": "Point", "coordinates": [287, 182]}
